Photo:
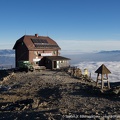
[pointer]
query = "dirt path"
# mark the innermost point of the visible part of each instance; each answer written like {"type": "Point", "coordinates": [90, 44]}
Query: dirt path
{"type": "Point", "coordinates": [54, 95]}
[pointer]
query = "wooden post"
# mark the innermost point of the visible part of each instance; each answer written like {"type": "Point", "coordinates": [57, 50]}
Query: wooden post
{"type": "Point", "coordinates": [102, 81]}
{"type": "Point", "coordinates": [97, 79]}
{"type": "Point", "coordinates": [108, 84]}
{"type": "Point", "coordinates": [108, 81]}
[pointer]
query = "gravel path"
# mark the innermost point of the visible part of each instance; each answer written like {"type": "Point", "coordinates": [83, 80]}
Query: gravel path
{"type": "Point", "coordinates": [55, 95]}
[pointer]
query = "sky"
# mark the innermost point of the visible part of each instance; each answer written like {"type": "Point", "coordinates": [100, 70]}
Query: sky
{"type": "Point", "coordinates": [76, 25]}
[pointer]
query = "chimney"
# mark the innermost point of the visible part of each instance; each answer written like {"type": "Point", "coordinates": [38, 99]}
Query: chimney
{"type": "Point", "coordinates": [36, 35]}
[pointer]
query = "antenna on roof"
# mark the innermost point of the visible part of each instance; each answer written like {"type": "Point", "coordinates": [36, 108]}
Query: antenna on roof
{"type": "Point", "coordinates": [47, 33]}
{"type": "Point", "coordinates": [25, 31]}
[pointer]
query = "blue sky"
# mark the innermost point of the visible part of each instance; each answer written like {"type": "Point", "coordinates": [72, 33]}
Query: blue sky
{"type": "Point", "coordinates": [74, 24]}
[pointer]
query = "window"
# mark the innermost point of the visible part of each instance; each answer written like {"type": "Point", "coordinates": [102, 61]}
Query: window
{"type": "Point", "coordinates": [22, 43]}
{"type": "Point", "coordinates": [54, 52]}
{"type": "Point", "coordinates": [35, 52]}
{"type": "Point", "coordinates": [37, 63]}
{"type": "Point", "coordinates": [39, 54]}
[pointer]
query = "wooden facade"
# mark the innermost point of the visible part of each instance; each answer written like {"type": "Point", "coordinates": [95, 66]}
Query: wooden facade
{"type": "Point", "coordinates": [34, 48]}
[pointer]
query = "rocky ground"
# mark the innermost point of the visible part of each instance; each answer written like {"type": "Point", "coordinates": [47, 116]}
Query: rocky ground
{"type": "Point", "coordinates": [55, 95]}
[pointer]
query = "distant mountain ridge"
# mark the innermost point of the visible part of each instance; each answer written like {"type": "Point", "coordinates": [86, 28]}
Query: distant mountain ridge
{"type": "Point", "coordinates": [6, 52]}
{"type": "Point", "coordinates": [7, 58]}
{"type": "Point", "coordinates": [110, 52]}
{"type": "Point", "coordinates": [10, 51]}
{"type": "Point", "coordinates": [96, 57]}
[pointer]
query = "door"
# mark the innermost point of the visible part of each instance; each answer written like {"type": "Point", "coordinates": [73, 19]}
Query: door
{"type": "Point", "coordinates": [55, 64]}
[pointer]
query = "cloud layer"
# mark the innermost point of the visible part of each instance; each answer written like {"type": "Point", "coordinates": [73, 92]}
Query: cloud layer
{"type": "Point", "coordinates": [114, 67]}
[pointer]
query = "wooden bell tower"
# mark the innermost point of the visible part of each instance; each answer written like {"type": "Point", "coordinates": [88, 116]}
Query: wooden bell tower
{"type": "Point", "coordinates": [102, 75]}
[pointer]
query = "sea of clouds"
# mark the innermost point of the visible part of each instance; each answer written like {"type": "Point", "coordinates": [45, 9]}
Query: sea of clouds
{"type": "Point", "coordinates": [114, 67]}
{"type": "Point", "coordinates": [92, 61]}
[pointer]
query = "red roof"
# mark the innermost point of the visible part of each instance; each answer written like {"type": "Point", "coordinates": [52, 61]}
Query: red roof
{"type": "Point", "coordinates": [37, 42]}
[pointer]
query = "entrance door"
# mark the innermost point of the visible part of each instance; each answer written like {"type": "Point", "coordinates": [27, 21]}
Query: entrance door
{"type": "Point", "coordinates": [55, 64]}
